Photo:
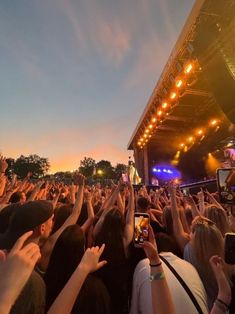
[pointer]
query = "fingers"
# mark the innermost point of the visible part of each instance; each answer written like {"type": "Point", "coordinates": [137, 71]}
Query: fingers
{"type": "Point", "coordinates": [101, 249]}
{"type": "Point", "coordinates": [20, 242]}
{"type": "Point", "coordinates": [101, 264]}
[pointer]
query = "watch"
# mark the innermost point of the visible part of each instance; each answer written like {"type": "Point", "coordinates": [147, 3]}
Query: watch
{"type": "Point", "coordinates": [157, 276]}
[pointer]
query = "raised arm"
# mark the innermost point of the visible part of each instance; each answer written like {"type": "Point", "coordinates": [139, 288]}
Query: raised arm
{"type": "Point", "coordinates": [162, 302]}
{"type": "Point", "coordinates": [129, 227]}
{"type": "Point", "coordinates": [72, 219]}
{"type": "Point", "coordinates": [67, 297]}
{"type": "Point", "coordinates": [181, 236]}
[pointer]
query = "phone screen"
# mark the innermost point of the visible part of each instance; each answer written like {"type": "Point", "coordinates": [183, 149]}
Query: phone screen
{"type": "Point", "coordinates": [125, 177]}
{"type": "Point", "coordinates": [141, 233]}
{"type": "Point", "coordinates": [229, 254]}
{"type": "Point", "coordinates": [226, 185]}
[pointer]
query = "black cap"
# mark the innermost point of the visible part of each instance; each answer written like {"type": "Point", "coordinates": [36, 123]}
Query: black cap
{"type": "Point", "coordinates": [26, 218]}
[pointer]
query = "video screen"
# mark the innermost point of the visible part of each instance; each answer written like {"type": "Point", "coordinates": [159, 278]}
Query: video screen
{"type": "Point", "coordinates": [226, 185]}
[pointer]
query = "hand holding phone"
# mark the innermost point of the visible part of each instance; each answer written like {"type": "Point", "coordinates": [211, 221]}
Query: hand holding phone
{"type": "Point", "coordinates": [141, 223]}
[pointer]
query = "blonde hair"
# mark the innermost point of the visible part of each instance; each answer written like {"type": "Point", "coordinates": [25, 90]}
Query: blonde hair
{"type": "Point", "coordinates": [207, 241]}
{"type": "Point", "coordinates": [219, 217]}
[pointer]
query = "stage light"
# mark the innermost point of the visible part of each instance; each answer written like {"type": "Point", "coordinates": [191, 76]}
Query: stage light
{"type": "Point", "coordinates": [173, 95]}
{"type": "Point", "coordinates": [188, 68]}
{"type": "Point", "coordinates": [190, 139]}
{"type": "Point", "coordinates": [182, 145]}
{"type": "Point", "coordinates": [164, 105]}
{"type": "Point", "coordinates": [214, 122]}
{"type": "Point", "coordinates": [150, 135]}
{"type": "Point", "coordinates": [147, 131]}
{"type": "Point", "coordinates": [154, 120]}
{"type": "Point", "coordinates": [200, 132]}
{"type": "Point", "coordinates": [185, 149]}
{"type": "Point", "coordinates": [139, 143]}
{"type": "Point", "coordinates": [159, 112]}
{"type": "Point", "coordinates": [179, 83]}
{"type": "Point", "coordinates": [150, 126]}
{"type": "Point", "coordinates": [145, 135]}
{"type": "Point", "coordinates": [154, 170]}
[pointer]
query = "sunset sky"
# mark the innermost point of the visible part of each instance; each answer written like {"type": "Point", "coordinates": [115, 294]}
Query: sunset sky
{"type": "Point", "coordinates": [75, 75]}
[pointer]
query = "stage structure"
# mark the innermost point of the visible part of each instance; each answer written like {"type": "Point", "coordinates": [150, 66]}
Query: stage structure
{"type": "Point", "coordinates": [188, 122]}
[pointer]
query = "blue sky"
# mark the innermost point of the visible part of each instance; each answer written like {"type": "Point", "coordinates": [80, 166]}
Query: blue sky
{"type": "Point", "coordinates": [75, 76]}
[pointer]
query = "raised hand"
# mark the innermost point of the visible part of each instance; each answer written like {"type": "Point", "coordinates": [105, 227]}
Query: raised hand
{"type": "Point", "coordinates": [150, 248]}
{"type": "Point", "coordinates": [90, 260]}
{"type": "Point", "coordinates": [217, 265]}
{"type": "Point", "coordinates": [15, 269]}
{"type": "Point", "coordinates": [3, 165]}
{"type": "Point", "coordinates": [81, 179]}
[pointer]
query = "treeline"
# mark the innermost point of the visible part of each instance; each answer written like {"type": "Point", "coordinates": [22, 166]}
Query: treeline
{"type": "Point", "coordinates": [40, 166]}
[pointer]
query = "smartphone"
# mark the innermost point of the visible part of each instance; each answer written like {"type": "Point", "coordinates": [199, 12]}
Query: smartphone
{"type": "Point", "coordinates": [226, 185]}
{"type": "Point", "coordinates": [229, 248]}
{"type": "Point", "coordinates": [125, 177]}
{"type": "Point", "coordinates": [141, 223]}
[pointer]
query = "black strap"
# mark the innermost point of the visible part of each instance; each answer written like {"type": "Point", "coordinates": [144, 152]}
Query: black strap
{"type": "Point", "coordinates": [184, 285]}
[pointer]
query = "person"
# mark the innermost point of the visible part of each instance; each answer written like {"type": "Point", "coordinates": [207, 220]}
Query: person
{"type": "Point", "coordinates": [204, 241]}
{"type": "Point", "coordinates": [224, 297]}
{"type": "Point", "coordinates": [161, 297]}
{"type": "Point", "coordinates": [116, 232]}
{"type": "Point", "coordinates": [65, 257]}
{"type": "Point", "coordinates": [15, 270]}
{"type": "Point", "coordinates": [153, 297]}
{"type": "Point", "coordinates": [36, 216]}
{"type": "Point", "coordinates": [17, 266]}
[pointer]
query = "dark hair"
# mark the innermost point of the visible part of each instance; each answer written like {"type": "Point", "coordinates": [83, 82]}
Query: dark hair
{"type": "Point", "coordinates": [5, 215]}
{"type": "Point", "coordinates": [60, 215]}
{"type": "Point", "coordinates": [15, 197]}
{"type": "Point", "coordinates": [65, 257]}
{"type": "Point", "coordinates": [111, 234]}
{"type": "Point", "coordinates": [115, 274]}
{"type": "Point", "coordinates": [143, 203]}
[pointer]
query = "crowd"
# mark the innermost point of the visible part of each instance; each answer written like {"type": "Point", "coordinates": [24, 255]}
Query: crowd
{"type": "Point", "coordinates": [69, 249]}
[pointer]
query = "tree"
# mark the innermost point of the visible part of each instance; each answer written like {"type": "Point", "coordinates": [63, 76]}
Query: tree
{"type": "Point", "coordinates": [33, 163]}
{"type": "Point", "coordinates": [10, 168]}
{"type": "Point", "coordinates": [105, 168]}
{"type": "Point", "coordinates": [119, 170]}
{"type": "Point", "coordinates": [87, 166]}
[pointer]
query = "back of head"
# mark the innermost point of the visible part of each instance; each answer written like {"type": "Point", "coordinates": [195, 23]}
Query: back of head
{"type": "Point", "coordinates": [5, 216]}
{"type": "Point", "coordinates": [65, 257]}
{"type": "Point", "coordinates": [111, 234]}
{"type": "Point", "coordinates": [15, 197]}
{"type": "Point", "coordinates": [60, 215]}
{"type": "Point", "coordinates": [143, 204]}
{"type": "Point", "coordinates": [219, 217]}
{"type": "Point", "coordinates": [207, 239]}
{"type": "Point", "coordinates": [26, 217]}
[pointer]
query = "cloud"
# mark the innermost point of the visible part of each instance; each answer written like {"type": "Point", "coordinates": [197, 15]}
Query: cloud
{"type": "Point", "coordinates": [98, 31]}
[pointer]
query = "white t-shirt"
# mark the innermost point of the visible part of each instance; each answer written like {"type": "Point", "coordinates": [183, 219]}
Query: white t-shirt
{"type": "Point", "coordinates": [141, 302]}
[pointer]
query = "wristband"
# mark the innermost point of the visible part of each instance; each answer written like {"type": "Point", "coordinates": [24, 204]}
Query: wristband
{"type": "Point", "coordinates": [155, 265]}
{"type": "Point", "coordinates": [158, 276]}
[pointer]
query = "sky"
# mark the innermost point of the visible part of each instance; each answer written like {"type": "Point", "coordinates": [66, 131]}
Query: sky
{"type": "Point", "coordinates": [76, 75]}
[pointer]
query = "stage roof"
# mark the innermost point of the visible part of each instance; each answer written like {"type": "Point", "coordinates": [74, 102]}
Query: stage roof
{"type": "Point", "coordinates": [183, 112]}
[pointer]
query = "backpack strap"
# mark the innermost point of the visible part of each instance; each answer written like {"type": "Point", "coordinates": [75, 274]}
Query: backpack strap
{"type": "Point", "coordinates": [184, 285]}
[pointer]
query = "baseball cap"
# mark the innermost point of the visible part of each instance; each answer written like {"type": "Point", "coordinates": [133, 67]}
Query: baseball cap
{"type": "Point", "coordinates": [27, 217]}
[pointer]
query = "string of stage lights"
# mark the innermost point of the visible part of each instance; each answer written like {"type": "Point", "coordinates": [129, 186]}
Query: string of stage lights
{"type": "Point", "coordinates": [163, 110]}
{"type": "Point", "coordinates": [196, 136]}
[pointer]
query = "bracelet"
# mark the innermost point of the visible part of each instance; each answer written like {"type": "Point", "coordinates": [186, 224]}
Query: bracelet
{"type": "Point", "coordinates": [158, 276]}
{"type": "Point", "coordinates": [155, 265]}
